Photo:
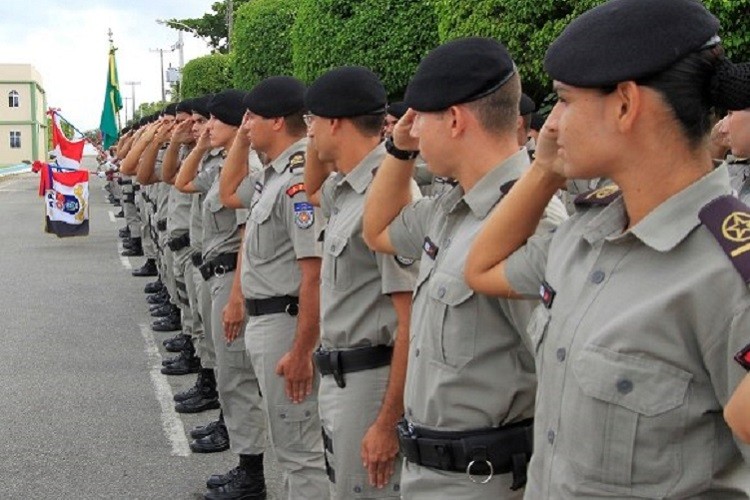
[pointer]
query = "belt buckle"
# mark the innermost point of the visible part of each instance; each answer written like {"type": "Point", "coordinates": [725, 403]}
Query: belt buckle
{"type": "Point", "coordinates": [220, 270]}
{"type": "Point", "coordinates": [292, 309]}
{"type": "Point", "coordinates": [475, 479]}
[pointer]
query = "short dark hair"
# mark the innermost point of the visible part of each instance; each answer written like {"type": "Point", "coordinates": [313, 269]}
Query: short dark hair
{"type": "Point", "coordinates": [369, 125]}
{"type": "Point", "coordinates": [295, 123]}
{"type": "Point", "coordinates": [498, 112]}
{"type": "Point", "coordinates": [686, 87]}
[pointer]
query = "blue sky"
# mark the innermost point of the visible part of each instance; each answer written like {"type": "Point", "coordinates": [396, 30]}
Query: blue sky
{"type": "Point", "coordinates": [66, 41]}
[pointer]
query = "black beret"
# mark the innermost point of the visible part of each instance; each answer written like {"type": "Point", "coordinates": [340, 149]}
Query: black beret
{"type": "Point", "coordinates": [184, 106]}
{"type": "Point", "coordinates": [200, 105]}
{"type": "Point", "coordinates": [276, 96]}
{"type": "Point", "coordinates": [346, 91]}
{"type": "Point", "coordinates": [397, 109]}
{"type": "Point", "coordinates": [152, 117]}
{"type": "Point", "coordinates": [537, 121]}
{"type": "Point", "coordinates": [527, 105]}
{"type": "Point", "coordinates": [227, 106]}
{"type": "Point", "coordinates": [624, 40]}
{"type": "Point", "coordinates": [459, 71]}
{"type": "Point", "coordinates": [170, 109]}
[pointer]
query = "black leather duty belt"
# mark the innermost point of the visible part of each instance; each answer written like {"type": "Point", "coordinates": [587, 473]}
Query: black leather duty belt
{"type": "Point", "coordinates": [124, 182]}
{"type": "Point", "coordinates": [161, 225]}
{"type": "Point", "coordinates": [177, 244]}
{"type": "Point", "coordinates": [197, 259]}
{"type": "Point", "coordinates": [337, 363]}
{"type": "Point", "coordinates": [273, 305]}
{"type": "Point", "coordinates": [478, 453]}
{"type": "Point", "coordinates": [219, 266]}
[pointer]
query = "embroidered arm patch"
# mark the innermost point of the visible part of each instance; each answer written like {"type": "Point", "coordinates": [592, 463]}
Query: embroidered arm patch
{"type": "Point", "coordinates": [297, 188]}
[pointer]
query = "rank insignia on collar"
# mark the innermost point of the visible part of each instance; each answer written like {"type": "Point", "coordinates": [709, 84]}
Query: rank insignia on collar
{"type": "Point", "coordinates": [430, 248]}
{"type": "Point", "coordinates": [297, 160]}
{"type": "Point", "coordinates": [297, 188]}
{"type": "Point", "coordinates": [728, 220]}
{"type": "Point", "coordinates": [547, 293]}
{"type": "Point", "coordinates": [599, 197]}
{"type": "Point", "coordinates": [304, 215]}
{"type": "Point", "coordinates": [743, 357]}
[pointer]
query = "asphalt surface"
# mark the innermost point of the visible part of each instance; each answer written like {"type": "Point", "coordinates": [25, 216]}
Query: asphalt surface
{"type": "Point", "coordinates": [84, 412]}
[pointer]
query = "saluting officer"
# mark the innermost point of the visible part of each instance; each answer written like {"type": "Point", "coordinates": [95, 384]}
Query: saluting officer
{"type": "Point", "coordinates": [281, 277]}
{"type": "Point", "coordinates": [471, 382]}
{"type": "Point", "coordinates": [365, 297]}
{"type": "Point", "coordinates": [645, 290]}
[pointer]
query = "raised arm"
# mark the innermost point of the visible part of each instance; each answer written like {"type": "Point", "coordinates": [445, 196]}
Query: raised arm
{"type": "Point", "coordinates": [146, 167]}
{"type": "Point", "coordinates": [235, 169]}
{"type": "Point", "coordinates": [515, 219]}
{"type": "Point", "coordinates": [184, 180]}
{"type": "Point", "coordinates": [316, 173]}
{"type": "Point", "coordinates": [171, 161]}
{"type": "Point", "coordinates": [390, 191]}
{"type": "Point", "coordinates": [129, 165]}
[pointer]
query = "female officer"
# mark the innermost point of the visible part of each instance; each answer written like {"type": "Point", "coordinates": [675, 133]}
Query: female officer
{"type": "Point", "coordinates": [644, 290]}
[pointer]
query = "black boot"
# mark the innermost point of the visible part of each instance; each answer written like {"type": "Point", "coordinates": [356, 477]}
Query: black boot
{"type": "Point", "coordinates": [187, 362]}
{"type": "Point", "coordinates": [120, 214]}
{"type": "Point", "coordinates": [206, 397]}
{"type": "Point", "coordinates": [247, 483]}
{"type": "Point", "coordinates": [124, 232]}
{"type": "Point", "coordinates": [202, 431]}
{"type": "Point", "coordinates": [148, 269]}
{"type": "Point", "coordinates": [158, 298]}
{"type": "Point", "coordinates": [168, 324]}
{"type": "Point", "coordinates": [134, 249]}
{"type": "Point", "coordinates": [154, 286]}
{"type": "Point", "coordinates": [177, 343]}
{"type": "Point", "coordinates": [215, 442]}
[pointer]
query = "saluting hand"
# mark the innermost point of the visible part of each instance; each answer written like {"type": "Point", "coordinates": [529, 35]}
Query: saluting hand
{"type": "Point", "coordinates": [297, 370]}
{"type": "Point", "coordinates": [546, 155]}
{"type": "Point", "coordinates": [242, 137]}
{"type": "Point", "coordinates": [182, 133]}
{"type": "Point", "coordinates": [402, 137]}
{"type": "Point", "coordinates": [379, 450]}
{"type": "Point", "coordinates": [164, 132]}
{"type": "Point", "coordinates": [204, 141]}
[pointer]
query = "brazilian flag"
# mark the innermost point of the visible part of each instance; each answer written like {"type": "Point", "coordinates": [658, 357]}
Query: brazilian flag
{"type": "Point", "coordinates": [112, 104]}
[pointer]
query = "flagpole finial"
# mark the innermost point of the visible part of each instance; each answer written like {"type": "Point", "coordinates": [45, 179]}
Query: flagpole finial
{"type": "Point", "coordinates": [110, 35]}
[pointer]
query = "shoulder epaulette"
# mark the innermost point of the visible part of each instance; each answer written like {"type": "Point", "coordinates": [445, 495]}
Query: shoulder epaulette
{"type": "Point", "coordinates": [598, 197]}
{"type": "Point", "coordinates": [505, 188]}
{"type": "Point", "coordinates": [728, 219]}
{"type": "Point", "coordinates": [296, 161]}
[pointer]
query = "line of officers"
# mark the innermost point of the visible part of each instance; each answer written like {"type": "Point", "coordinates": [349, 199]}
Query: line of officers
{"type": "Point", "coordinates": [371, 374]}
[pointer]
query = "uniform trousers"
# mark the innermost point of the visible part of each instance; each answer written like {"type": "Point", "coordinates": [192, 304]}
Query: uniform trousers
{"type": "Point", "coordinates": [147, 242]}
{"type": "Point", "coordinates": [202, 338]}
{"type": "Point", "coordinates": [346, 414]}
{"type": "Point", "coordinates": [424, 483]}
{"type": "Point", "coordinates": [293, 429]}
{"type": "Point", "coordinates": [165, 265]}
{"type": "Point", "coordinates": [182, 270]}
{"type": "Point", "coordinates": [236, 382]}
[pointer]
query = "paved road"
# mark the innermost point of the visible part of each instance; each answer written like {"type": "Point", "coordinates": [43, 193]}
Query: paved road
{"type": "Point", "coordinates": [80, 395]}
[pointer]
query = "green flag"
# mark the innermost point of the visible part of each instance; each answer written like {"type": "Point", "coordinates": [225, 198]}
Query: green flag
{"type": "Point", "coordinates": [112, 104]}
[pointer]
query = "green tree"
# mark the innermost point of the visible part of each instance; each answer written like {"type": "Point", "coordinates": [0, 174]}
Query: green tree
{"type": "Point", "coordinates": [388, 36]}
{"type": "Point", "coordinates": [212, 26]}
{"type": "Point", "coordinates": [261, 46]}
{"type": "Point", "coordinates": [206, 75]}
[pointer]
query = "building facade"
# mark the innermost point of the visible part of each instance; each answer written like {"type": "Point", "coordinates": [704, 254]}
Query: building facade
{"type": "Point", "coordinates": [23, 119]}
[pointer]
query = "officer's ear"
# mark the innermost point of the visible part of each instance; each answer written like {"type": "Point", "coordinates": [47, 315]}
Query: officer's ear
{"type": "Point", "coordinates": [628, 99]}
{"type": "Point", "coordinates": [457, 119]}
{"type": "Point", "coordinates": [278, 124]}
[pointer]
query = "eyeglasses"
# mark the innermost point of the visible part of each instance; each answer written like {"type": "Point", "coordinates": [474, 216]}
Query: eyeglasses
{"type": "Point", "coordinates": [308, 117]}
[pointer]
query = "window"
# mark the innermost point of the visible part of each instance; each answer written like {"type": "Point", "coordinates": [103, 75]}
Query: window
{"type": "Point", "coordinates": [13, 100]}
{"type": "Point", "coordinates": [15, 139]}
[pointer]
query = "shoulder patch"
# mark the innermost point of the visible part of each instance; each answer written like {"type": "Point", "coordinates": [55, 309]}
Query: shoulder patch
{"type": "Point", "coordinates": [304, 215]}
{"type": "Point", "coordinates": [598, 197]}
{"type": "Point", "coordinates": [297, 188]}
{"type": "Point", "coordinates": [743, 358]}
{"type": "Point", "coordinates": [296, 161]}
{"type": "Point", "coordinates": [728, 219]}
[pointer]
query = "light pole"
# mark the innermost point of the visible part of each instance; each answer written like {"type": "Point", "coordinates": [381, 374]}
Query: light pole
{"type": "Point", "coordinates": [180, 45]}
{"type": "Point", "coordinates": [161, 71]}
{"type": "Point", "coordinates": [126, 99]}
{"type": "Point", "coordinates": [132, 94]}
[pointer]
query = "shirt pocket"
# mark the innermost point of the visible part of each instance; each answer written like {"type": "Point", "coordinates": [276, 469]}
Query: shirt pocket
{"type": "Point", "coordinates": [336, 269]}
{"type": "Point", "coordinates": [626, 424]}
{"type": "Point", "coordinates": [537, 328]}
{"type": "Point", "coordinates": [262, 241]}
{"type": "Point", "coordinates": [456, 316]}
{"type": "Point", "coordinates": [222, 220]}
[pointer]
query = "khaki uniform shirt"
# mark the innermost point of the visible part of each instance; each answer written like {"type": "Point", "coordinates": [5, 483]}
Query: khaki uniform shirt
{"type": "Point", "coordinates": [356, 310]}
{"type": "Point", "coordinates": [179, 205]}
{"type": "Point", "coordinates": [213, 232]}
{"type": "Point", "coordinates": [161, 189]}
{"type": "Point", "coordinates": [468, 365]}
{"type": "Point", "coordinates": [634, 352]}
{"type": "Point", "coordinates": [281, 228]}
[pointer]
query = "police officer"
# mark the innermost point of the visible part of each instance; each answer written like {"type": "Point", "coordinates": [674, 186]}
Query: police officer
{"type": "Point", "coordinates": [222, 236]}
{"type": "Point", "coordinates": [738, 135]}
{"type": "Point", "coordinates": [365, 297]}
{"type": "Point", "coordinates": [645, 290]}
{"type": "Point", "coordinates": [471, 382]}
{"type": "Point", "coordinates": [281, 277]}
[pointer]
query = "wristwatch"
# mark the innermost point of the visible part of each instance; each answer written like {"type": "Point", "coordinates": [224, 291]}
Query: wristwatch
{"type": "Point", "coordinates": [401, 154]}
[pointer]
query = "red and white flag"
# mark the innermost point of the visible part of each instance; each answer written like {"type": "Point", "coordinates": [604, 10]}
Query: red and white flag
{"type": "Point", "coordinates": [66, 198]}
{"type": "Point", "coordinates": [67, 153]}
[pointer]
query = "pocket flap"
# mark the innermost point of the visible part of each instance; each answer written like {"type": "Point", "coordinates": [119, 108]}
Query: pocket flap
{"type": "Point", "coordinates": [449, 290]}
{"type": "Point", "coordinates": [296, 413]}
{"type": "Point", "coordinates": [336, 244]}
{"type": "Point", "coordinates": [213, 204]}
{"type": "Point", "coordinates": [261, 212]}
{"type": "Point", "coordinates": [645, 386]}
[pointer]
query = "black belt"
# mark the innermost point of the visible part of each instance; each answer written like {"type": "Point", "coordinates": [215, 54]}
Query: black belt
{"type": "Point", "coordinates": [177, 244]}
{"type": "Point", "coordinates": [161, 225]}
{"type": "Point", "coordinates": [124, 182]}
{"type": "Point", "coordinates": [197, 259]}
{"type": "Point", "coordinates": [128, 197]}
{"type": "Point", "coordinates": [219, 266]}
{"type": "Point", "coordinates": [483, 452]}
{"type": "Point", "coordinates": [337, 363]}
{"type": "Point", "coordinates": [273, 305]}
{"type": "Point", "coordinates": [137, 187]}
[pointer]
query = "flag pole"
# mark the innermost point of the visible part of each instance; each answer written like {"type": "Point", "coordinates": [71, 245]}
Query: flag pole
{"type": "Point", "coordinates": [112, 47]}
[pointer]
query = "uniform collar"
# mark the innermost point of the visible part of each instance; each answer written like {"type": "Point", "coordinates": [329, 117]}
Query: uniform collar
{"type": "Point", "coordinates": [361, 177]}
{"type": "Point", "coordinates": [669, 223]}
{"type": "Point", "coordinates": [215, 152]}
{"type": "Point", "coordinates": [282, 161]}
{"type": "Point", "coordinates": [491, 188]}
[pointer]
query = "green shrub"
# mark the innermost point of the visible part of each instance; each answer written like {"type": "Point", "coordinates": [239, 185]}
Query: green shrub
{"type": "Point", "coordinates": [206, 75]}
